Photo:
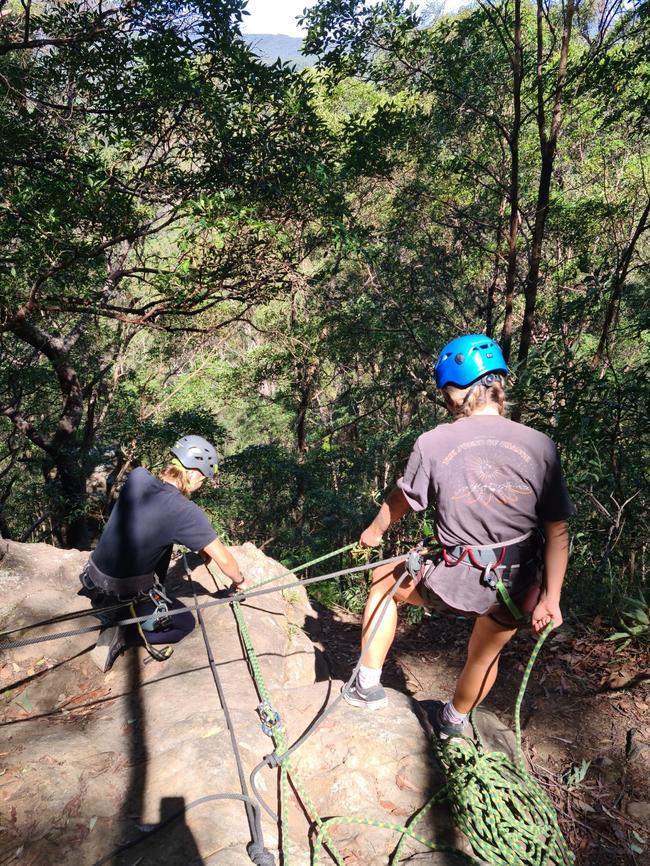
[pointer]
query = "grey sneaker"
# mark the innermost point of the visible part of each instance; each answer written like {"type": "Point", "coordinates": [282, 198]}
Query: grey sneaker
{"type": "Point", "coordinates": [444, 730]}
{"type": "Point", "coordinates": [110, 644]}
{"type": "Point", "coordinates": [373, 698]}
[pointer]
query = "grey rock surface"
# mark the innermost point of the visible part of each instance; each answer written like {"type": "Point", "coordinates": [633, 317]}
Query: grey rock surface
{"type": "Point", "coordinates": [88, 760]}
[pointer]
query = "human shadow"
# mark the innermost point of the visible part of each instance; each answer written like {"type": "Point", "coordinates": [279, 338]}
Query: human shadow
{"type": "Point", "coordinates": [130, 816]}
{"type": "Point", "coordinates": [172, 835]}
{"type": "Point", "coordinates": [332, 634]}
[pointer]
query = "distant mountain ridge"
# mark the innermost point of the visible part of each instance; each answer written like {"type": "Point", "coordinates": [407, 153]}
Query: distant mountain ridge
{"type": "Point", "coordinates": [270, 46]}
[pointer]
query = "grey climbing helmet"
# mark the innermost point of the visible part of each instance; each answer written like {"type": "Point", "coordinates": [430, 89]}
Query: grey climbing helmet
{"type": "Point", "coordinates": [195, 452]}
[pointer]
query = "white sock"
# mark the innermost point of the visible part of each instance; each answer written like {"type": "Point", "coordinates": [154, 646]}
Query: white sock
{"type": "Point", "coordinates": [368, 677]}
{"type": "Point", "coordinates": [451, 715]}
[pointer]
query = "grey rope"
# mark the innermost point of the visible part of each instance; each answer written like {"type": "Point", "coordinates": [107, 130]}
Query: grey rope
{"type": "Point", "coordinates": [240, 596]}
{"type": "Point", "coordinates": [256, 850]}
{"type": "Point", "coordinates": [274, 760]}
{"type": "Point", "coordinates": [201, 800]}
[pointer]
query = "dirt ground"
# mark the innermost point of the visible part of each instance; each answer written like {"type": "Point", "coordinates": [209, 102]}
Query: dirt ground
{"type": "Point", "coordinates": [585, 718]}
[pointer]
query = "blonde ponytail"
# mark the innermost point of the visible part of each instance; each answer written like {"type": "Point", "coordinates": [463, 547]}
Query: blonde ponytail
{"type": "Point", "coordinates": [463, 402]}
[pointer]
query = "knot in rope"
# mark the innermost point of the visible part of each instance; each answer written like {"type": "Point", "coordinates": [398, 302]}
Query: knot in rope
{"type": "Point", "coordinates": [260, 855]}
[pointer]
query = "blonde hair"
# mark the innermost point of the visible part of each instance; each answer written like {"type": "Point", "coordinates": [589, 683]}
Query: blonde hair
{"type": "Point", "coordinates": [178, 477]}
{"type": "Point", "coordinates": [463, 402]}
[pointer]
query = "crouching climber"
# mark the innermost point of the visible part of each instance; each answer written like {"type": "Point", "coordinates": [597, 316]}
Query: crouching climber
{"type": "Point", "coordinates": [501, 508]}
{"type": "Point", "coordinates": [129, 564]}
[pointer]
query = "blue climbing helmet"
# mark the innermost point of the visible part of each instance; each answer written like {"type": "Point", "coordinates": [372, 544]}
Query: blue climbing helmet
{"type": "Point", "coordinates": [467, 359]}
{"type": "Point", "coordinates": [195, 452]}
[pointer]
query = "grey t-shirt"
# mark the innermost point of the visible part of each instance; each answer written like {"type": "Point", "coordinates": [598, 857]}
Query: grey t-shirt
{"type": "Point", "coordinates": [490, 480]}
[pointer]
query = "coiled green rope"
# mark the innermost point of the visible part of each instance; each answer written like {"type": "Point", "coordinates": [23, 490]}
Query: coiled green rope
{"type": "Point", "coordinates": [507, 817]}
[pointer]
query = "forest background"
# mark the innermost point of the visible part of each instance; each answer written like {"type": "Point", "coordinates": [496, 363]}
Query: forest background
{"type": "Point", "coordinates": [194, 241]}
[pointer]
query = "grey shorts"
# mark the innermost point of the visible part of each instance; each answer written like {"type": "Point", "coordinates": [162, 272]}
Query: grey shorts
{"type": "Point", "coordinates": [525, 595]}
{"type": "Point", "coordinates": [432, 600]}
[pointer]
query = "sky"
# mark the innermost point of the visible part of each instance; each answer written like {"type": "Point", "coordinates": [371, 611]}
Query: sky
{"type": "Point", "coordinates": [274, 16]}
{"type": "Point", "coordinates": [279, 16]}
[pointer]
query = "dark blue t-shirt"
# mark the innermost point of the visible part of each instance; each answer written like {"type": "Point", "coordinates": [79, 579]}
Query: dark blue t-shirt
{"type": "Point", "coordinates": [148, 518]}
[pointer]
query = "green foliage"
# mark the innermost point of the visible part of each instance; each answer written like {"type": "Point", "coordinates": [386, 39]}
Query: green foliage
{"type": "Point", "coordinates": [192, 240]}
{"type": "Point", "coordinates": [634, 622]}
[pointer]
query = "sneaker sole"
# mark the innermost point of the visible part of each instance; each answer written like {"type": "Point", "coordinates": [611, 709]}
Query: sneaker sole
{"type": "Point", "coordinates": [370, 705]}
{"type": "Point", "coordinates": [104, 653]}
{"type": "Point", "coordinates": [99, 657]}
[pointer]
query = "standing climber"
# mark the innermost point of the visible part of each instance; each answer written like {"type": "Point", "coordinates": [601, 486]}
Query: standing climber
{"type": "Point", "coordinates": [501, 508]}
{"type": "Point", "coordinates": [133, 554]}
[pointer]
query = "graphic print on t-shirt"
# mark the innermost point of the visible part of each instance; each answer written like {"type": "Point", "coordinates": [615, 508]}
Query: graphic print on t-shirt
{"type": "Point", "coordinates": [487, 473]}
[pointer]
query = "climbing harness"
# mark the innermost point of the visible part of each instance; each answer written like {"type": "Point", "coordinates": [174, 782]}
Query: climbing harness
{"type": "Point", "coordinates": [492, 565]}
{"type": "Point", "coordinates": [157, 654]}
{"type": "Point", "coordinates": [120, 587]}
{"type": "Point", "coordinates": [160, 619]}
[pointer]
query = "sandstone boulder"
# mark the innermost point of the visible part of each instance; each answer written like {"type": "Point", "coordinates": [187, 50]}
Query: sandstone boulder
{"type": "Point", "coordinates": [90, 760]}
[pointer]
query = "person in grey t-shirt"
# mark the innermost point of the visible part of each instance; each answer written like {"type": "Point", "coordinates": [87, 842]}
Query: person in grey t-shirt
{"type": "Point", "coordinates": [495, 485]}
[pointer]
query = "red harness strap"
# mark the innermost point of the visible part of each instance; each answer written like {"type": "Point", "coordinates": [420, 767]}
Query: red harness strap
{"type": "Point", "coordinates": [472, 558]}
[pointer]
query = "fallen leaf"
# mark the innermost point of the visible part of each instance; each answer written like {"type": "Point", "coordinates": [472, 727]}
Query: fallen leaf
{"type": "Point", "coordinates": [402, 782]}
{"type": "Point", "coordinates": [24, 702]}
{"type": "Point", "coordinates": [619, 679]}
{"type": "Point", "coordinates": [49, 760]}
{"type": "Point", "coordinates": [391, 807]}
{"type": "Point", "coordinates": [635, 746]}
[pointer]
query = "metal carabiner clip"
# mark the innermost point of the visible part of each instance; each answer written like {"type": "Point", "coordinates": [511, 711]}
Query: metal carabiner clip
{"type": "Point", "coordinates": [269, 717]}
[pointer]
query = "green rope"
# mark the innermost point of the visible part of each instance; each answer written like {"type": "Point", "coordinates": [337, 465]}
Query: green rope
{"type": "Point", "coordinates": [507, 817]}
{"type": "Point", "coordinates": [287, 771]}
{"type": "Point", "coordinates": [305, 565]}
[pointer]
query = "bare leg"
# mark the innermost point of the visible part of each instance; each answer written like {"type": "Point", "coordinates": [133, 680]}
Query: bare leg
{"type": "Point", "coordinates": [485, 646]}
{"type": "Point", "coordinates": [384, 579]}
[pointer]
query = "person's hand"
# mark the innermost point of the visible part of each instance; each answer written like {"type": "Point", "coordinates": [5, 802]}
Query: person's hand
{"type": "Point", "coordinates": [370, 537]}
{"type": "Point", "coordinates": [239, 587]}
{"type": "Point", "coordinates": [544, 612]}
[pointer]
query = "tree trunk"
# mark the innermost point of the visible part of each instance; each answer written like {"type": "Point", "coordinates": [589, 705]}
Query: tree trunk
{"type": "Point", "coordinates": [513, 193]}
{"type": "Point", "coordinates": [617, 282]}
{"type": "Point", "coordinates": [548, 149]}
{"type": "Point", "coordinates": [62, 448]}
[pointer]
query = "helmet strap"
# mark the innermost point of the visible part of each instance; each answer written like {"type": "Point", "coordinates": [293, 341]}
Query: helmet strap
{"type": "Point", "coordinates": [176, 463]}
